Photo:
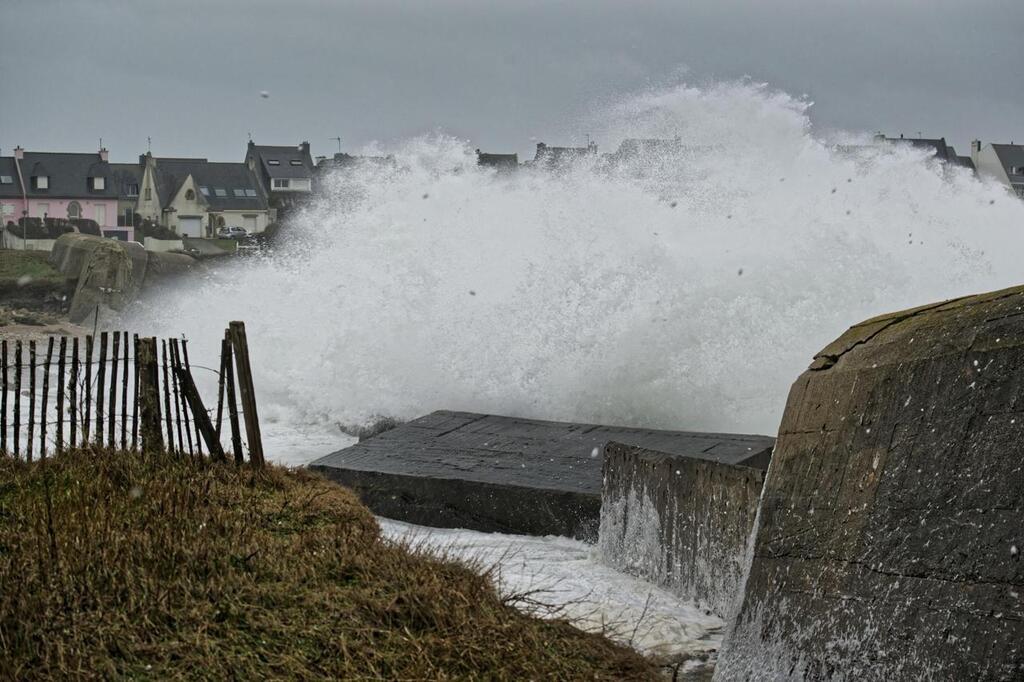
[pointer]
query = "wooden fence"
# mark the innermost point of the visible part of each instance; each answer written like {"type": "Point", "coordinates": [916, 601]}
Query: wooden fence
{"type": "Point", "coordinates": [117, 391]}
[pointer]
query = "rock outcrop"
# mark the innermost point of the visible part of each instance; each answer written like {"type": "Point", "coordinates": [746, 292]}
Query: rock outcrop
{"type": "Point", "coordinates": [889, 539]}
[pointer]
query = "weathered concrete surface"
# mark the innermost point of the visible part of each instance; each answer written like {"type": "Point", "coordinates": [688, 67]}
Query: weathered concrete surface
{"type": "Point", "coordinates": [679, 522]}
{"type": "Point", "coordinates": [889, 538]}
{"type": "Point", "coordinates": [110, 273]}
{"type": "Point", "coordinates": [491, 473]}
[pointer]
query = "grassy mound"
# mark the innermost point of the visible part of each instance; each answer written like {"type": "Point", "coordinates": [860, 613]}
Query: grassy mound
{"type": "Point", "coordinates": [118, 565]}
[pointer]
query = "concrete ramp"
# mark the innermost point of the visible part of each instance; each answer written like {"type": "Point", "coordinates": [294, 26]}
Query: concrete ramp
{"type": "Point", "coordinates": [504, 474]}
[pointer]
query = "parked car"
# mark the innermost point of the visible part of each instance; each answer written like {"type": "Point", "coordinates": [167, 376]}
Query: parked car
{"type": "Point", "coordinates": [232, 233]}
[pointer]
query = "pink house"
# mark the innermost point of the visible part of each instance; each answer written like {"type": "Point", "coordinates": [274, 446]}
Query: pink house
{"type": "Point", "coordinates": [61, 185]}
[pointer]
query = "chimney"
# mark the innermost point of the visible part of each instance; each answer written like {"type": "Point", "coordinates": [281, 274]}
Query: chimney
{"type": "Point", "coordinates": [103, 154]}
{"type": "Point", "coordinates": [975, 151]}
{"type": "Point", "coordinates": [19, 153]}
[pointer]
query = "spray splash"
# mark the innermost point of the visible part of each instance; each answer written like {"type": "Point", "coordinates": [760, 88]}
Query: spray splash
{"type": "Point", "coordinates": [680, 290]}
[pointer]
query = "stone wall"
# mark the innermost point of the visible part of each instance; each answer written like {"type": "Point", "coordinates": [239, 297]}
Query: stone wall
{"type": "Point", "coordinates": [679, 522]}
{"type": "Point", "coordinates": [888, 544]}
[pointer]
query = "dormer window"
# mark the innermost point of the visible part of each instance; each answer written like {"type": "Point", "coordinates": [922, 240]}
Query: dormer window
{"type": "Point", "coordinates": [220, 192]}
{"type": "Point", "coordinates": [97, 182]}
{"type": "Point", "coordinates": [295, 162]}
{"type": "Point", "coordinates": [133, 189]}
{"type": "Point", "coordinates": [41, 182]}
{"type": "Point", "coordinates": [6, 179]}
{"type": "Point", "coordinates": [205, 191]}
{"type": "Point", "coordinates": [240, 193]}
{"type": "Point", "coordinates": [273, 162]}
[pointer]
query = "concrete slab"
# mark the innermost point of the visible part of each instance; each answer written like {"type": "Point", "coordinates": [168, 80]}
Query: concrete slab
{"type": "Point", "coordinates": [494, 473]}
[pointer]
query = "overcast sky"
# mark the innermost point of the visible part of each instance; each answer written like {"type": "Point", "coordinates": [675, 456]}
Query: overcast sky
{"type": "Point", "coordinates": [189, 73]}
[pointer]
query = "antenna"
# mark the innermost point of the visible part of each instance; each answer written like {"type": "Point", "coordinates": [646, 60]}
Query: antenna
{"type": "Point", "coordinates": [250, 136]}
{"type": "Point", "coordinates": [149, 144]}
{"type": "Point", "coordinates": [101, 143]}
{"type": "Point", "coordinates": [338, 140]}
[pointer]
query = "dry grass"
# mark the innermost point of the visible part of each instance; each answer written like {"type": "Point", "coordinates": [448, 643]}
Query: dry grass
{"type": "Point", "coordinates": [116, 565]}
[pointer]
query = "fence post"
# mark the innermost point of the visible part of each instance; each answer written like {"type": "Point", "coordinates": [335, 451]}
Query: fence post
{"type": "Point", "coordinates": [135, 393]}
{"type": "Point", "coordinates": [183, 358]}
{"type": "Point", "coordinates": [112, 407]}
{"type": "Point", "coordinates": [248, 393]}
{"type": "Point", "coordinates": [3, 396]}
{"type": "Point", "coordinates": [31, 399]}
{"type": "Point", "coordinates": [46, 397]}
{"type": "Point", "coordinates": [229, 370]}
{"type": "Point", "coordinates": [101, 384]}
{"type": "Point", "coordinates": [124, 395]}
{"type": "Point", "coordinates": [60, 393]}
{"type": "Point", "coordinates": [17, 398]}
{"type": "Point", "coordinates": [73, 393]}
{"type": "Point", "coordinates": [88, 390]}
{"type": "Point", "coordinates": [167, 400]}
{"type": "Point", "coordinates": [202, 419]}
{"type": "Point", "coordinates": [149, 394]}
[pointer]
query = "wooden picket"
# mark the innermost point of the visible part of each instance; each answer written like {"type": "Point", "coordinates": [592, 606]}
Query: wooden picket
{"type": "Point", "coordinates": [92, 405]}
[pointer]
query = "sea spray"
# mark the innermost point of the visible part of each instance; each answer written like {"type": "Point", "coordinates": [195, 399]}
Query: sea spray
{"type": "Point", "coordinates": [682, 290]}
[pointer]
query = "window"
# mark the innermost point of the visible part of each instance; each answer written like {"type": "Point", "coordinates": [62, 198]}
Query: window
{"type": "Point", "coordinates": [1017, 170]}
{"type": "Point", "coordinates": [74, 210]}
{"type": "Point", "coordinates": [190, 195]}
{"type": "Point", "coordinates": [149, 194]}
{"type": "Point", "coordinates": [273, 162]}
{"type": "Point", "coordinates": [205, 191]}
{"type": "Point", "coordinates": [99, 213]}
{"type": "Point", "coordinates": [296, 162]}
{"type": "Point", "coordinates": [250, 192]}
{"type": "Point", "coordinates": [98, 182]}
{"type": "Point", "coordinates": [301, 184]}
{"type": "Point", "coordinates": [41, 182]}
{"type": "Point", "coordinates": [6, 180]}
{"type": "Point", "coordinates": [280, 183]}
{"type": "Point", "coordinates": [42, 210]}
{"type": "Point", "coordinates": [220, 192]}
{"type": "Point", "coordinates": [8, 209]}
{"type": "Point", "coordinates": [240, 193]}
{"type": "Point", "coordinates": [132, 189]}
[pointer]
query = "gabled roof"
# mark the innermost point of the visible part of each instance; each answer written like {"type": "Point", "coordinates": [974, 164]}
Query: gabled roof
{"type": "Point", "coordinates": [938, 146]}
{"type": "Point", "coordinates": [68, 174]}
{"type": "Point", "coordinates": [502, 161]}
{"type": "Point", "coordinates": [8, 169]}
{"type": "Point", "coordinates": [1011, 156]}
{"type": "Point", "coordinates": [283, 162]}
{"type": "Point", "coordinates": [171, 174]}
{"type": "Point", "coordinates": [125, 174]}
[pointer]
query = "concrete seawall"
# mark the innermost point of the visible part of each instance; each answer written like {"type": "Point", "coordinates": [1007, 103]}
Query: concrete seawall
{"type": "Point", "coordinates": [889, 540]}
{"type": "Point", "coordinates": [679, 522]}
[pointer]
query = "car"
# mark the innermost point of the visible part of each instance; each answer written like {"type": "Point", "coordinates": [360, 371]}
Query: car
{"type": "Point", "coordinates": [232, 233]}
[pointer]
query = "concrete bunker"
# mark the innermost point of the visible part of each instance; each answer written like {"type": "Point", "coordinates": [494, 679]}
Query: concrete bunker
{"type": "Point", "coordinates": [892, 519]}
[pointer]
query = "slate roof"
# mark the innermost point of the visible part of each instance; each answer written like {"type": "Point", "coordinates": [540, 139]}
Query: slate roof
{"type": "Point", "coordinates": [1011, 156]}
{"type": "Point", "coordinates": [125, 174]}
{"type": "Point", "coordinates": [68, 173]}
{"type": "Point", "coordinates": [284, 156]}
{"type": "Point", "coordinates": [7, 168]}
{"type": "Point", "coordinates": [503, 161]}
{"type": "Point", "coordinates": [227, 176]}
{"type": "Point", "coordinates": [941, 150]}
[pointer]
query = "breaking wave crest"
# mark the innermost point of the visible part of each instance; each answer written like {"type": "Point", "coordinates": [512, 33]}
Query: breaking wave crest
{"type": "Point", "coordinates": [681, 288]}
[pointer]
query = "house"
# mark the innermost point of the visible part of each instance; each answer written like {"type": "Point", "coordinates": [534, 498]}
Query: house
{"type": "Point", "coordinates": [553, 157]}
{"type": "Point", "coordinates": [938, 148]}
{"type": "Point", "coordinates": [126, 178]}
{"type": "Point", "coordinates": [60, 185]}
{"type": "Point", "coordinates": [1004, 162]}
{"type": "Point", "coordinates": [285, 173]}
{"type": "Point", "coordinates": [501, 162]}
{"type": "Point", "coordinates": [194, 197]}
{"type": "Point", "coordinates": [342, 162]}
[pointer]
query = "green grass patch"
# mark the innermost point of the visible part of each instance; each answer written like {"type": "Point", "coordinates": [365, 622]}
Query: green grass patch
{"type": "Point", "coordinates": [125, 566]}
{"type": "Point", "coordinates": [27, 267]}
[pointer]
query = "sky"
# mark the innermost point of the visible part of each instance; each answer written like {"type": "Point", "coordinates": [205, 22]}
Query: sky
{"type": "Point", "coordinates": [188, 74]}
